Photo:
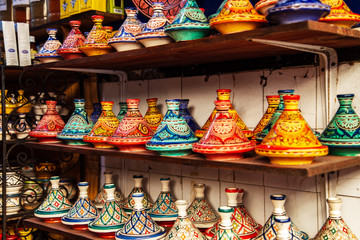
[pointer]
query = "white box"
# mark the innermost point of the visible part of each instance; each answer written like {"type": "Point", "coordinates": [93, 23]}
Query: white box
{"type": "Point", "coordinates": [11, 55]}
{"type": "Point", "coordinates": [23, 38]}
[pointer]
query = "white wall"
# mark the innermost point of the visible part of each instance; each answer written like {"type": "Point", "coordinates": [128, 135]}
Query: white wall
{"type": "Point", "coordinates": [305, 196]}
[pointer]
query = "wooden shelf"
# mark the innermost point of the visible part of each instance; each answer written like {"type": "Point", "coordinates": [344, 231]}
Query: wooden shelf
{"type": "Point", "coordinates": [61, 229]}
{"type": "Point", "coordinates": [219, 48]}
{"type": "Point", "coordinates": [252, 163]}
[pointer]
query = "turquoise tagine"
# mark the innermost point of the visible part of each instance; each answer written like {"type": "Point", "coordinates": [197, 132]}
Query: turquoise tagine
{"type": "Point", "coordinates": [342, 135]}
{"type": "Point", "coordinates": [184, 112]}
{"type": "Point", "coordinates": [123, 111]}
{"type": "Point", "coordinates": [78, 126]}
{"type": "Point", "coordinates": [173, 136]}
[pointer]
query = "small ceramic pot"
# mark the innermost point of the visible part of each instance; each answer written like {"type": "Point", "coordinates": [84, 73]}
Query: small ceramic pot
{"type": "Point", "coordinates": [14, 183]}
{"type": "Point", "coordinates": [44, 170]}
{"type": "Point", "coordinates": [12, 204]}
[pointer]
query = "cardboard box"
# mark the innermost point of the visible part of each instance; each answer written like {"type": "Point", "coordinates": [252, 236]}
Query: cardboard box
{"type": "Point", "coordinates": [23, 39]}
{"type": "Point", "coordinates": [86, 5]}
{"type": "Point", "coordinates": [9, 37]}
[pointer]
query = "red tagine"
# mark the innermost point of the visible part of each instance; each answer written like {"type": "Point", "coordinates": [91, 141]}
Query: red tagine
{"type": "Point", "coordinates": [70, 47]}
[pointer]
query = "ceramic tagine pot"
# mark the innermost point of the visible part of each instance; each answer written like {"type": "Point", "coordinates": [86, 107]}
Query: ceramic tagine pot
{"type": "Point", "coordinates": [183, 228]}
{"type": "Point", "coordinates": [133, 132]}
{"type": "Point", "coordinates": [283, 225]}
{"type": "Point", "coordinates": [101, 197]}
{"type": "Point", "coordinates": [108, 30]}
{"type": "Point", "coordinates": [96, 112]}
{"type": "Point", "coordinates": [48, 51]}
{"type": "Point", "coordinates": [153, 116]}
{"type": "Point", "coordinates": [22, 128]}
{"type": "Point", "coordinates": [78, 126]}
{"type": "Point", "coordinates": [269, 231]}
{"type": "Point", "coordinates": [12, 203]}
{"type": "Point", "coordinates": [130, 202]}
{"type": "Point", "coordinates": [123, 111]}
{"type": "Point", "coordinates": [263, 5]}
{"type": "Point", "coordinates": [124, 39]}
{"type": "Point", "coordinates": [335, 227]}
{"type": "Point", "coordinates": [71, 44]}
{"type": "Point", "coordinates": [223, 139]}
{"type": "Point", "coordinates": [225, 231]}
{"type": "Point", "coordinates": [340, 14]}
{"type": "Point", "coordinates": [55, 204]}
{"type": "Point", "coordinates": [103, 128]}
{"type": "Point", "coordinates": [82, 212]}
{"type": "Point", "coordinates": [96, 41]}
{"type": "Point", "coordinates": [292, 11]}
{"type": "Point", "coordinates": [224, 94]}
{"type": "Point", "coordinates": [184, 112]}
{"type": "Point", "coordinates": [260, 136]}
{"type": "Point", "coordinates": [237, 16]}
{"type": "Point", "coordinates": [291, 141]}
{"type": "Point", "coordinates": [342, 135]}
{"type": "Point", "coordinates": [153, 33]}
{"type": "Point", "coordinates": [173, 136]}
{"type": "Point", "coordinates": [23, 104]}
{"type": "Point", "coordinates": [189, 24]}
{"type": "Point", "coordinates": [14, 182]}
{"type": "Point", "coordinates": [111, 218]}
{"type": "Point", "coordinates": [49, 126]}
{"type": "Point", "coordinates": [140, 225]}
{"type": "Point", "coordinates": [273, 103]}
{"type": "Point", "coordinates": [164, 210]}
{"type": "Point", "coordinates": [200, 212]}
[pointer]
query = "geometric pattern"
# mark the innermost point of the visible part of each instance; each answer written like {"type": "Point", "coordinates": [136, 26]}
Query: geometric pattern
{"type": "Point", "coordinates": [54, 202]}
{"type": "Point", "coordinates": [111, 215]}
{"type": "Point", "coordinates": [200, 211]}
{"type": "Point", "coordinates": [225, 234]}
{"type": "Point", "coordinates": [164, 205]}
{"type": "Point", "coordinates": [129, 201]}
{"type": "Point", "coordinates": [335, 229]}
{"type": "Point", "coordinates": [184, 229]}
{"type": "Point", "coordinates": [101, 198]}
{"type": "Point", "coordinates": [82, 209]}
{"type": "Point", "coordinates": [140, 224]}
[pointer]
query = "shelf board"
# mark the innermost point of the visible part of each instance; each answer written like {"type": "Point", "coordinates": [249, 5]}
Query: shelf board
{"type": "Point", "coordinates": [252, 163]}
{"type": "Point", "coordinates": [61, 229]}
{"type": "Point", "coordinates": [218, 48]}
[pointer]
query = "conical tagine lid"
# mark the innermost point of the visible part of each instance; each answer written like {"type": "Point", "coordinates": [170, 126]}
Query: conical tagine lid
{"type": "Point", "coordinates": [183, 228]}
{"type": "Point", "coordinates": [50, 47]}
{"type": "Point", "coordinates": [184, 112]}
{"type": "Point", "coordinates": [335, 227]}
{"type": "Point", "coordinates": [340, 14]}
{"type": "Point", "coordinates": [291, 141]}
{"type": "Point", "coordinates": [153, 116]}
{"type": "Point", "coordinates": [146, 200]}
{"type": "Point", "coordinates": [123, 111]}
{"type": "Point", "coordinates": [101, 197]}
{"type": "Point", "coordinates": [225, 230]}
{"type": "Point", "coordinates": [73, 40]}
{"type": "Point", "coordinates": [283, 225]}
{"type": "Point", "coordinates": [223, 140]}
{"type": "Point", "coordinates": [342, 135]}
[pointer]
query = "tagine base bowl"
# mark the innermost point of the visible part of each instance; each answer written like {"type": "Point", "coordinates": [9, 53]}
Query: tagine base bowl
{"type": "Point", "coordinates": [76, 224]}
{"type": "Point", "coordinates": [102, 145]}
{"type": "Point", "coordinates": [224, 156]}
{"type": "Point", "coordinates": [48, 140]}
{"type": "Point", "coordinates": [294, 16]}
{"type": "Point", "coordinates": [188, 34]}
{"type": "Point", "coordinates": [125, 46]}
{"type": "Point", "coordinates": [132, 148]}
{"type": "Point", "coordinates": [49, 59]}
{"type": "Point", "coordinates": [152, 42]}
{"type": "Point", "coordinates": [236, 27]}
{"type": "Point", "coordinates": [95, 50]}
{"type": "Point", "coordinates": [76, 142]}
{"type": "Point", "coordinates": [68, 56]}
{"type": "Point", "coordinates": [349, 149]}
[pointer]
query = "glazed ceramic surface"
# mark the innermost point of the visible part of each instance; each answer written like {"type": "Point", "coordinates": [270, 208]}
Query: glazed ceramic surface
{"type": "Point", "coordinates": [340, 14]}
{"type": "Point", "coordinates": [189, 24]}
{"type": "Point", "coordinates": [223, 139]}
{"type": "Point", "coordinates": [224, 94]}
{"type": "Point", "coordinates": [130, 202]}
{"type": "Point", "coordinates": [23, 103]}
{"type": "Point", "coordinates": [103, 128]}
{"type": "Point", "coordinates": [263, 5]}
{"type": "Point", "coordinates": [153, 33]}
{"type": "Point", "coordinates": [33, 189]}
{"type": "Point", "coordinates": [184, 112]}
{"type": "Point", "coordinates": [48, 52]}
{"type": "Point", "coordinates": [225, 231]}
{"type": "Point", "coordinates": [133, 132]}
{"type": "Point", "coordinates": [44, 170]}
{"type": "Point", "coordinates": [96, 112]}
{"type": "Point", "coordinates": [12, 203]}
{"type": "Point", "coordinates": [342, 135]}
{"type": "Point", "coordinates": [78, 126]}
{"type": "Point", "coordinates": [171, 7]}
{"type": "Point", "coordinates": [283, 224]}
{"type": "Point", "coordinates": [10, 102]}
{"type": "Point", "coordinates": [124, 39]}
{"type": "Point", "coordinates": [14, 182]}
{"type": "Point", "coordinates": [70, 47]}
{"type": "Point", "coordinates": [173, 136]}
{"type": "Point", "coordinates": [153, 116]}
{"type": "Point", "coordinates": [21, 127]}
{"type": "Point", "coordinates": [123, 111]}
{"type": "Point", "coordinates": [49, 126]}
{"type": "Point", "coordinates": [101, 197]}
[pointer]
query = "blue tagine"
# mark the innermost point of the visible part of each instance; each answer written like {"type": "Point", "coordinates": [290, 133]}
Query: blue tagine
{"type": "Point", "coordinates": [78, 126]}
{"type": "Point", "coordinates": [173, 137]}
{"type": "Point", "coordinates": [48, 52]}
{"type": "Point", "coordinates": [292, 11]}
{"type": "Point", "coordinates": [189, 24]}
{"type": "Point", "coordinates": [184, 112]}
{"type": "Point", "coordinates": [82, 212]}
{"type": "Point", "coordinates": [140, 225]}
{"type": "Point", "coordinates": [96, 112]}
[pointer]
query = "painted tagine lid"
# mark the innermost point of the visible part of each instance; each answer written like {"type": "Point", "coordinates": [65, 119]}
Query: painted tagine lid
{"type": "Point", "coordinates": [123, 111]}
{"type": "Point", "coordinates": [263, 5]}
{"type": "Point", "coordinates": [78, 126]}
{"type": "Point", "coordinates": [225, 231]}
{"type": "Point", "coordinates": [124, 39]}
{"type": "Point", "coordinates": [184, 112]}
{"type": "Point", "coordinates": [49, 126]}
{"type": "Point", "coordinates": [237, 16]}
{"type": "Point", "coordinates": [223, 139]}
{"type": "Point", "coordinates": [269, 232]}
{"type": "Point", "coordinates": [291, 140]}
{"type": "Point", "coordinates": [189, 24]}
{"type": "Point", "coordinates": [280, 108]}
{"type": "Point", "coordinates": [133, 132]}
{"type": "Point", "coordinates": [71, 44]}
{"type": "Point", "coordinates": [335, 226]}
{"type": "Point", "coordinates": [292, 11]}
{"type": "Point", "coordinates": [283, 224]}
{"type": "Point", "coordinates": [340, 14]}
{"type": "Point", "coordinates": [55, 204]}
{"type": "Point", "coordinates": [96, 112]}
{"type": "Point", "coordinates": [23, 103]}
{"type": "Point", "coordinates": [183, 228]}
{"type": "Point", "coordinates": [164, 208]}
{"type": "Point", "coordinates": [342, 135]}
{"type": "Point", "coordinates": [111, 218]}
{"type": "Point", "coordinates": [200, 212]}
{"type": "Point", "coordinates": [173, 136]}
{"type": "Point", "coordinates": [153, 33]}
{"type": "Point", "coordinates": [104, 127]}
{"type": "Point", "coordinates": [146, 200]}
{"type": "Point", "coordinates": [273, 103]}
{"type": "Point", "coordinates": [82, 212]}
{"type": "Point", "coordinates": [96, 42]}
{"type": "Point", "coordinates": [50, 47]}
{"type": "Point", "coordinates": [224, 94]}
{"type": "Point", "coordinates": [101, 197]}
{"type": "Point", "coordinates": [140, 225]}
{"type": "Point", "coordinates": [171, 8]}
{"type": "Point", "coordinates": [153, 116]}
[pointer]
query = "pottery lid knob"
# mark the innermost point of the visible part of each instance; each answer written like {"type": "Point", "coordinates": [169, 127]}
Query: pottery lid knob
{"type": "Point", "coordinates": [232, 194]}
{"type": "Point", "coordinates": [138, 180]}
{"type": "Point", "coordinates": [199, 190]}
{"type": "Point", "coordinates": [75, 23]}
{"type": "Point", "coordinates": [110, 192]}
{"type": "Point", "coordinates": [181, 205]}
{"type": "Point", "coordinates": [334, 208]}
{"type": "Point", "coordinates": [83, 189]}
{"type": "Point", "coordinates": [165, 184]}
{"type": "Point", "coordinates": [225, 214]}
{"type": "Point", "coordinates": [283, 224]}
{"type": "Point", "coordinates": [278, 201]}
{"type": "Point", "coordinates": [138, 198]}
{"type": "Point", "coordinates": [108, 177]}
{"type": "Point", "coordinates": [54, 180]}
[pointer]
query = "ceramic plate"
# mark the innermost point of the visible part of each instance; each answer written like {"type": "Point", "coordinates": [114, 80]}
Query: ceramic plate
{"type": "Point", "coordinates": [171, 7]}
